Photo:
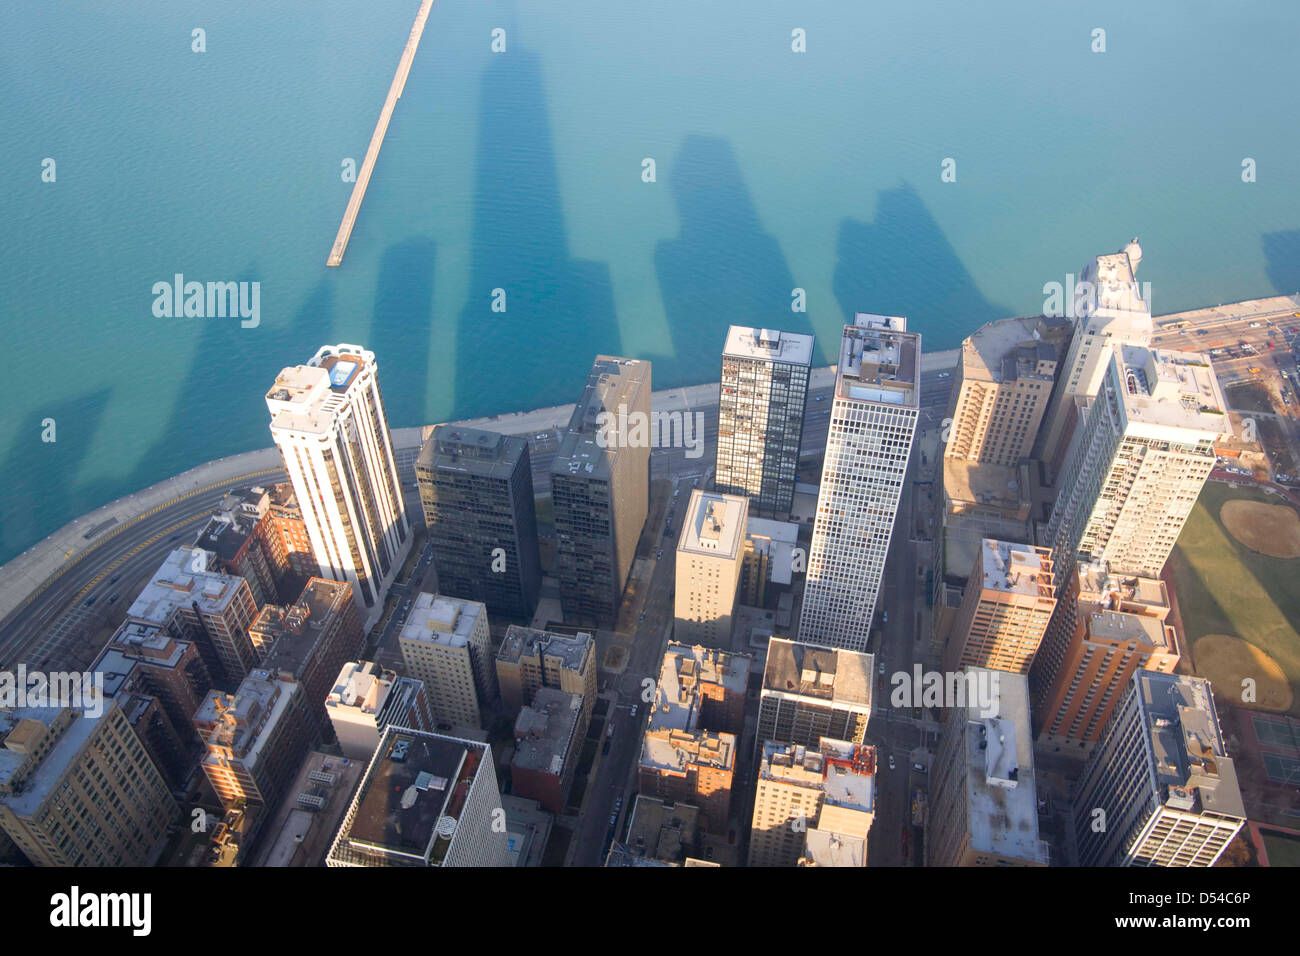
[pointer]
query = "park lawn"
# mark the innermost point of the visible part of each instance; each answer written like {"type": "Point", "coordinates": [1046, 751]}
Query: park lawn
{"type": "Point", "coordinates": [1225, 588]}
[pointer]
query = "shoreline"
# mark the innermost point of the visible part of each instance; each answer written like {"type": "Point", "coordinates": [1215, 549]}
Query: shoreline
{"type": "Point", "coordinates": [27, 574]}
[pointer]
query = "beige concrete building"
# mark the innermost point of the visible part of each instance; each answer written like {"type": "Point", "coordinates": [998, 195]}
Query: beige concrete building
{"type": "Point", "coordinates": [1006, 609]}
{"type": "Point", "coordinates": [710, 552]}
{"type": "Point", "coordinates": [1107, 308]}
{"type": "Point", "coordinates": [983, 802]}
{"type": "Point", "coordinates": [812, 692]}
{"type": "Point", "coordinates": [690, 766]}
{"type": "Point", "coordinates": [813, 806]}
{"type": "Point", "coordinates": [1109, 627]}
{"type": "Point", "coordinates": [1006, 373]}
{"type": "Point", "coordinates": [446, 645]}
{"type": "Point", "coordinates": [77, 790]}
{"type": "Point", "coordinates": [528, 659]}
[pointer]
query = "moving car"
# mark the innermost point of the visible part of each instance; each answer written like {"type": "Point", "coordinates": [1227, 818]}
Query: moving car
{"type": "Point", "coordinates": [891, 761]}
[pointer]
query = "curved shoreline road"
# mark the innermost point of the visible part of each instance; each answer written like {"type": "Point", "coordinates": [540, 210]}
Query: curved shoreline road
{"type": "Point", "coordinates": [44, 592]}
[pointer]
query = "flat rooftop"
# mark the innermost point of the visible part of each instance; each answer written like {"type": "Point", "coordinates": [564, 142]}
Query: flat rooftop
{"type": "Point", "coordinates": [414, 781]}
{"type": "Point", "coordinates": [1111, 285]}
{"type": "Point", "coordinates": [613, 382]}
{"type": "Point", "coordinates": [1016, 568]}
{"type": "Point", "coordinates": [1001, 798]}
{"type": "Point", "coordinates": [361, 685]}
{"type": "Point", "coordinates": [986, 484]}
{"type": "Point", "coordinates": [1192, 765]}
{"type": "Point", "coordinates": [714, 525]}
{"type": "Point", "coordinates": [443, 620]}
{"type": "Point", "coordinates": [833, 676]}
{"type": "Point", "coordinates": [573, 651]}
{"type": "Point", "coordinates": [295, 632]}
{"type": "Point", "coordinates": [472, 451]}
{"type": "Point", "coordinates": [1121, 627]}
{"type": "Point", "coordinates": [685, 671]}
{"type": "Point", "coordinates": [879, 361]}
{"type": "Point", "coordinates": [676, 751]}
{"type": "Point", "coordinates": [544, 731]}
{"type": "Point", "coordinates": [19, 726]}
{"type": "Point", "coordinates": [768, 345]}
{"type": "Point", "coordinates": [1167, 390]}
{"type": "Point", "coordinates": [184, 579]}
{"type": "Point", "coordinates": [1007, 350]}
{"type": "Point", "coordinates": [845, 772]}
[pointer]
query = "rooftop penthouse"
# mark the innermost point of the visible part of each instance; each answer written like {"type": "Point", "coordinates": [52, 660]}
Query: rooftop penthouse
{"type": "Point", "coordinates": [572, 651]}
{"type": "Point", "coordinates": [714, 525]}
{"type": "Point", "coordinates": [839, 677]}
{"type": "Point", "coordinates": [441, 620]}
{"type": "Point", "coordinates": [184, 580]}
{"type": "Point", "coordinates": [1193, 771]}
{"type": "Point", "coordinates": [879, 361]}
{"type": "Point", "coordinates": [307, 398]}
{"type": "Point", "coordinates": [684, 679]}
{"type": "Point", "coordinates": [613, 383]}
{"type": "Point", "coordinates": [675, 752]}
{"type": "Point", "coordinates": [1166, 394]}
{"type": "Point", "coordinates": [1016, 569]}
{"type": "Point", "coordinates": [768, 345]}
{"type": "Point", "coordinates": [471, 450]}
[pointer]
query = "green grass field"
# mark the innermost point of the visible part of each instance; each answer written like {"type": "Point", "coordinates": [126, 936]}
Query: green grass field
{"type": "Point", "coordinates": [1282, 849]}
{"type": "Point", "coordinates": [1225, 588]}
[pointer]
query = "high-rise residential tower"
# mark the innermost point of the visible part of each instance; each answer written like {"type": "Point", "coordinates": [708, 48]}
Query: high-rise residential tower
{"type": "Point", "coordinates": [327, 417]}
{"type": "Point", "coordinates": [1107, 308]}
{"type": "Point", "coordinates": [1161, 780]}
{"type": "Point", "coordinates": [600, 489]}
{"type": "Point", "coordinates": [1142, 452]}
{"type": "Point", "coordinates": [446, 644]}
{"type": "Point", "coordinates": [873, 420]}
{"type": "Point", "coordinates": [476, 489]}
{"type": "Point", "coordinates": [760, 415]}
{"type": "Point", "coordinates": [1006, 609]}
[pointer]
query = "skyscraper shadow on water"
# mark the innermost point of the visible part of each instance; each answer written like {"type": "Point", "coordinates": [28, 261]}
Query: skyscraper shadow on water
{"type": "Point", "coordinates": [41, 473]}
{"type": "Point", "coordinates": [402, 326]}
{"type": "Point", "coordinates": [901, 263]}
{"type": "Point", "coordinates": [722, 269]}
{"type": "Point", "coordinates": [1282, 260]}
{"type": "Point", "coordinates": [558, 311]}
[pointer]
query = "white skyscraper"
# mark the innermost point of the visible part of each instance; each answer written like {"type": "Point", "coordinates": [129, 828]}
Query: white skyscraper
{"type": "Point", "coordinates": [328, 420]}
{"type": "Point", "coordinates": [1107, 307]}
{"type": "Point", "coordinates": [1140, 455]}
{"type": "Point", "coordinates": [869, 439]}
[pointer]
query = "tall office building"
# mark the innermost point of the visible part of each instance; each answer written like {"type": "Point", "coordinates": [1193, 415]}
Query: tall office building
{"type": "Point", "coordinates": [1107, 627]}
{"type": "Point", "coordinates": [447, 645]}
{"type": "Point", "coordinates": [529, 659]}
{"type": "Point", "coordinates": [760, 416]}
{"type": "Point", "coordinates": [710, 553]}
{"type": "Point", "coordinates": [1160, 789]}
{"type": "Point", "coordinates": [191, 601]}
{"type": "Point", "coordinates": [366, 699]}
{"type": "Point", "coordinates": [77, 790]}
{"type": "Point", "coordinates": [1107, 308]}
{"type": "Point", "coordinates": [983, 804]}
{"type": "Point", "coordinates": [1005, 387]}
{"type": "Point", "coordinates": [1006, 609]}
{"type": "Point", "coordinates": [813, 805]}
{"type": "Point", "coordinates": [600, 490]}
{"type": "Point", "coordinates": [873, 420]}
{"type": "Point", "coordinates": [476, 489]}
{"type": "Point", "coordinates": [1139, 458]}
{"type": "Point", "coordinates": [425, 800]}
{"type": "Point", "coordinates": [327, 417]}
{"type": "Point", "coordinates": [811, 692]}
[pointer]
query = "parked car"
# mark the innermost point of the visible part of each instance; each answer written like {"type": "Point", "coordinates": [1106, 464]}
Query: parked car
{"type": "Point", "coordinates": [919, 767]}
{"type": "Point", "coordinates": [891, 761]}
{"type": "Point", "coordinates": [633, 711]}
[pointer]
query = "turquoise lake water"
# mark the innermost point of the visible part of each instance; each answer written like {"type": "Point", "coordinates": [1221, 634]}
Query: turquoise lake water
{"type": "Point", "coordinates": [523, 171]}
